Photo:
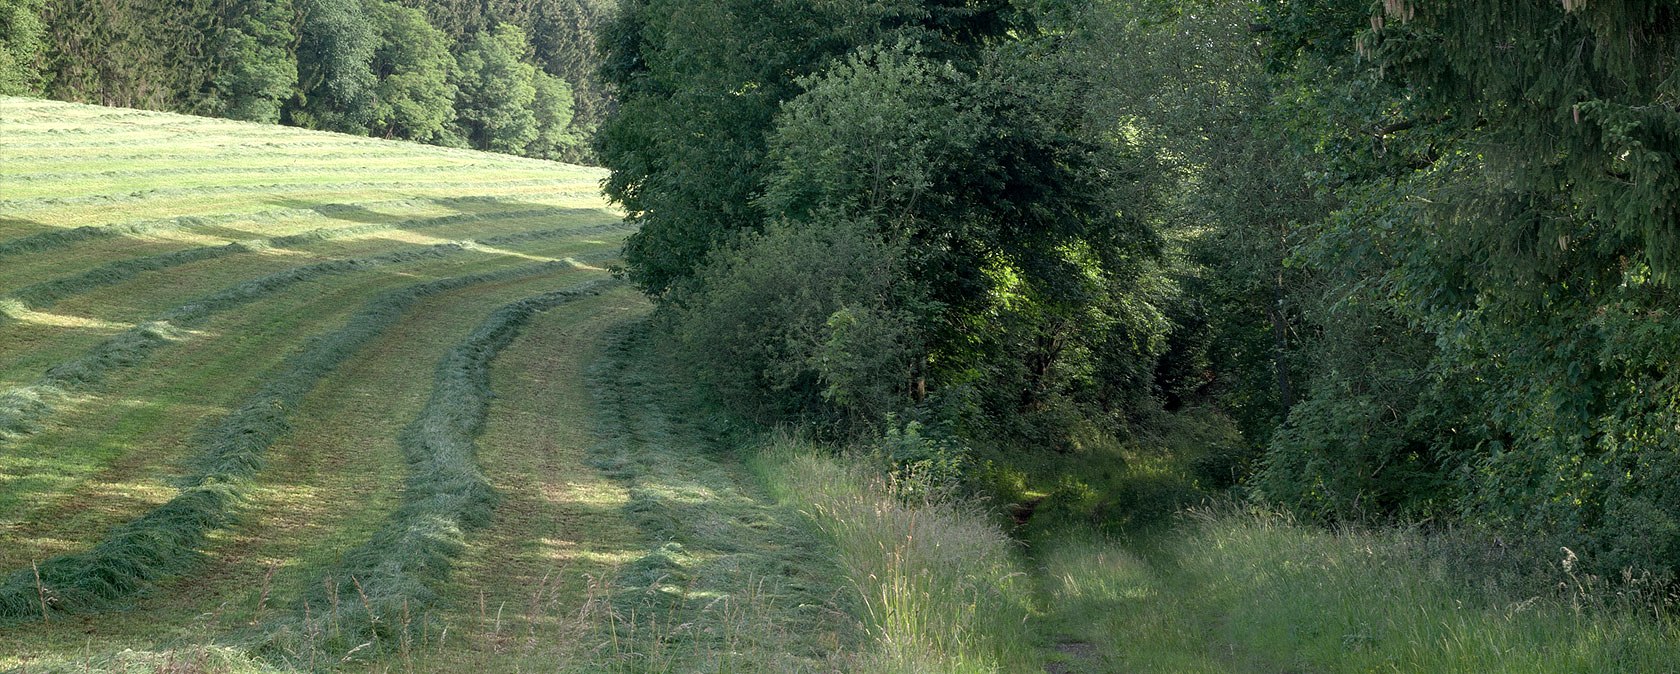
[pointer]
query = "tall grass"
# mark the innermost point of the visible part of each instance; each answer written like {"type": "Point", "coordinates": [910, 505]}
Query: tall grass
{"type": "Point", "coordinates": [1247, 591]}
{"type": "Point", "coordinates": [383, 591]}
{"type": "Point", "coordinates": [935, 582]}
{"type": "Point", "coordinates": [166, 541]}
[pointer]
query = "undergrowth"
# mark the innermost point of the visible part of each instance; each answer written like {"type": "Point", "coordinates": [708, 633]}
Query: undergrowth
{"type": "Point", "coordinates": [1243, 590]}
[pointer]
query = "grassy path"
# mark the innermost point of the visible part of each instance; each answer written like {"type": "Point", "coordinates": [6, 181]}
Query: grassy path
{"type": "Point", "coordinates": [525, 583]}
{"type": "Point", "coordinates": [727, 580]}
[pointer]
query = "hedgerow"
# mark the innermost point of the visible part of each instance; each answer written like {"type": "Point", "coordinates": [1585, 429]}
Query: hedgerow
{"type": "Point", "coordinates": [167, 541]}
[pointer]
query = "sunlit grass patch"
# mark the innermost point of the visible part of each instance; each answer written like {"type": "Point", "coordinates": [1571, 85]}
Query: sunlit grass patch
{"type": "Point", "coordinates": [936, 583]}
{"type": "Point", "coordinates": [119, 229]}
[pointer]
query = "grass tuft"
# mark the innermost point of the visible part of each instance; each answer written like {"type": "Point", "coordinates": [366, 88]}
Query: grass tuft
{"type": "Point", "coordinates": [936, 583]}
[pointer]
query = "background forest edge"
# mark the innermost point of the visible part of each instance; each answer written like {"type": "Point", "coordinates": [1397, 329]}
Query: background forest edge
{"type": "Point", "coordinates": [510, 76]}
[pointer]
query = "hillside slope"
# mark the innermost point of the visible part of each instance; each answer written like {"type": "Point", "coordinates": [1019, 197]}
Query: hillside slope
{"type": "Point", "coordinates": [244, 374]}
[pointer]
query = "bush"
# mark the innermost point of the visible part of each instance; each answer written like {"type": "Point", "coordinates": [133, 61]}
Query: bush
{"type": "Point", "coordinates": [803, 322]}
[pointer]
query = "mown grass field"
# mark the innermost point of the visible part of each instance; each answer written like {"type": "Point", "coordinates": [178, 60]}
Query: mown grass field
{"type": "Point", "coordinates": [277, 400]}
{"type": "Point", "coordinates": [247, 375]}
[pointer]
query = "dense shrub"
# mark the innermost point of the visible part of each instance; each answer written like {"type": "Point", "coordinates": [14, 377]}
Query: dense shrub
{"type": "Point", "coordinates": [802, 322]}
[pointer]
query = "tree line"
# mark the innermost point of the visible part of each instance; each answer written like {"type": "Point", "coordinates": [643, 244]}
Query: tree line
{"type": "Point", "coordinates": [1422, 255]}
{"type": "Point", "coordinates": [510, 76]}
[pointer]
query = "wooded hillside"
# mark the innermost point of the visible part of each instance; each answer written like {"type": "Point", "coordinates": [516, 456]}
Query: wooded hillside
{"type": "Point", "coordinates": [513, 76]}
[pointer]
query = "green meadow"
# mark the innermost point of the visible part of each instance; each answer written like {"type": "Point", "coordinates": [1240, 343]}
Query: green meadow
{"type": "Point", "coordinates": [276, 400]}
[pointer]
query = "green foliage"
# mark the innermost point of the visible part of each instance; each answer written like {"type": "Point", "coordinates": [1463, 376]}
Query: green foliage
{"type": "Point", "coordinates": [497, 91]}
{"type": "Point", "coordinates": [415, 98]}
{"type": "Point", "coordinates": [552, 108]}
{"type": "Point", "coordinates": [970, 150]}
{"type": "Point", "coordinates": [259, 71]}
{"type": "Point", "coordinates": [20, 46]}
{"type": "Point", "coordinates": [699, 85]}
{"type": "Point", "coordinates": [923, 464]}
{"type": "Point", "coordinates": [335, 52]}
{"type": "Point", "coordinates": [1495, 279]}
{"type": "Point", "coordinates": [373, 67]}
{"type": "Point", "coordinates": [154, 54]}
{"type": "Point", "coordinates": [776, 323]}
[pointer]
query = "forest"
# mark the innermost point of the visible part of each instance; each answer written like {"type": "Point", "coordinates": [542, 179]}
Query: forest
{"type": "Point", "coordinates": [839, 335]}
{"type": "Point", "coordinates": [1418, 256]}
{"type": "Point", "coordinates": [510, 76]}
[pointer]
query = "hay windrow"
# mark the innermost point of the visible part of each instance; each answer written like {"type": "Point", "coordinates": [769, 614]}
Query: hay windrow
{"type": "Point", "coordinates": [167, 540]}
{"type": "Point", "coordinates": [22, 408]}
{"type": "Point", "coordinates": [390, 583]}
{"type": "Point", "coordinates": [41, 295]}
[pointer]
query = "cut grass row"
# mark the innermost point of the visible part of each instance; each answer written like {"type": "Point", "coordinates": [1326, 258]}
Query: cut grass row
{"type": "Point", "coordinates": [167, 540]}
{"type": "Point", "coordinates": [331, 482]}
{"type": "Point", "coordinates": [55, 238]}
{"type": "Point", "coordinates": [384, 592]}
{"type": "Point", "coordinates": [236, 205]}
{"type": "Point", "coordinates": [44, 294]}
{"type": "Point", "coordinates": [440, 201]}
{"type": "Point", "coordinates": [35, 340]}
{"type": "Point", "coordinates": [236, 170]}
{"type": "Point", "coordinates": [525, 588]}
{"type": "Point", "coordinates": [25, 207]}
{"type": "Point", "coordinates": [87, 471]}
{"type": "Point", "coordinates": [22, 408]}
{"type": "Point", "coordinates": [727, 580]}
{"type": "Point", "coordinates": [106, 255]}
